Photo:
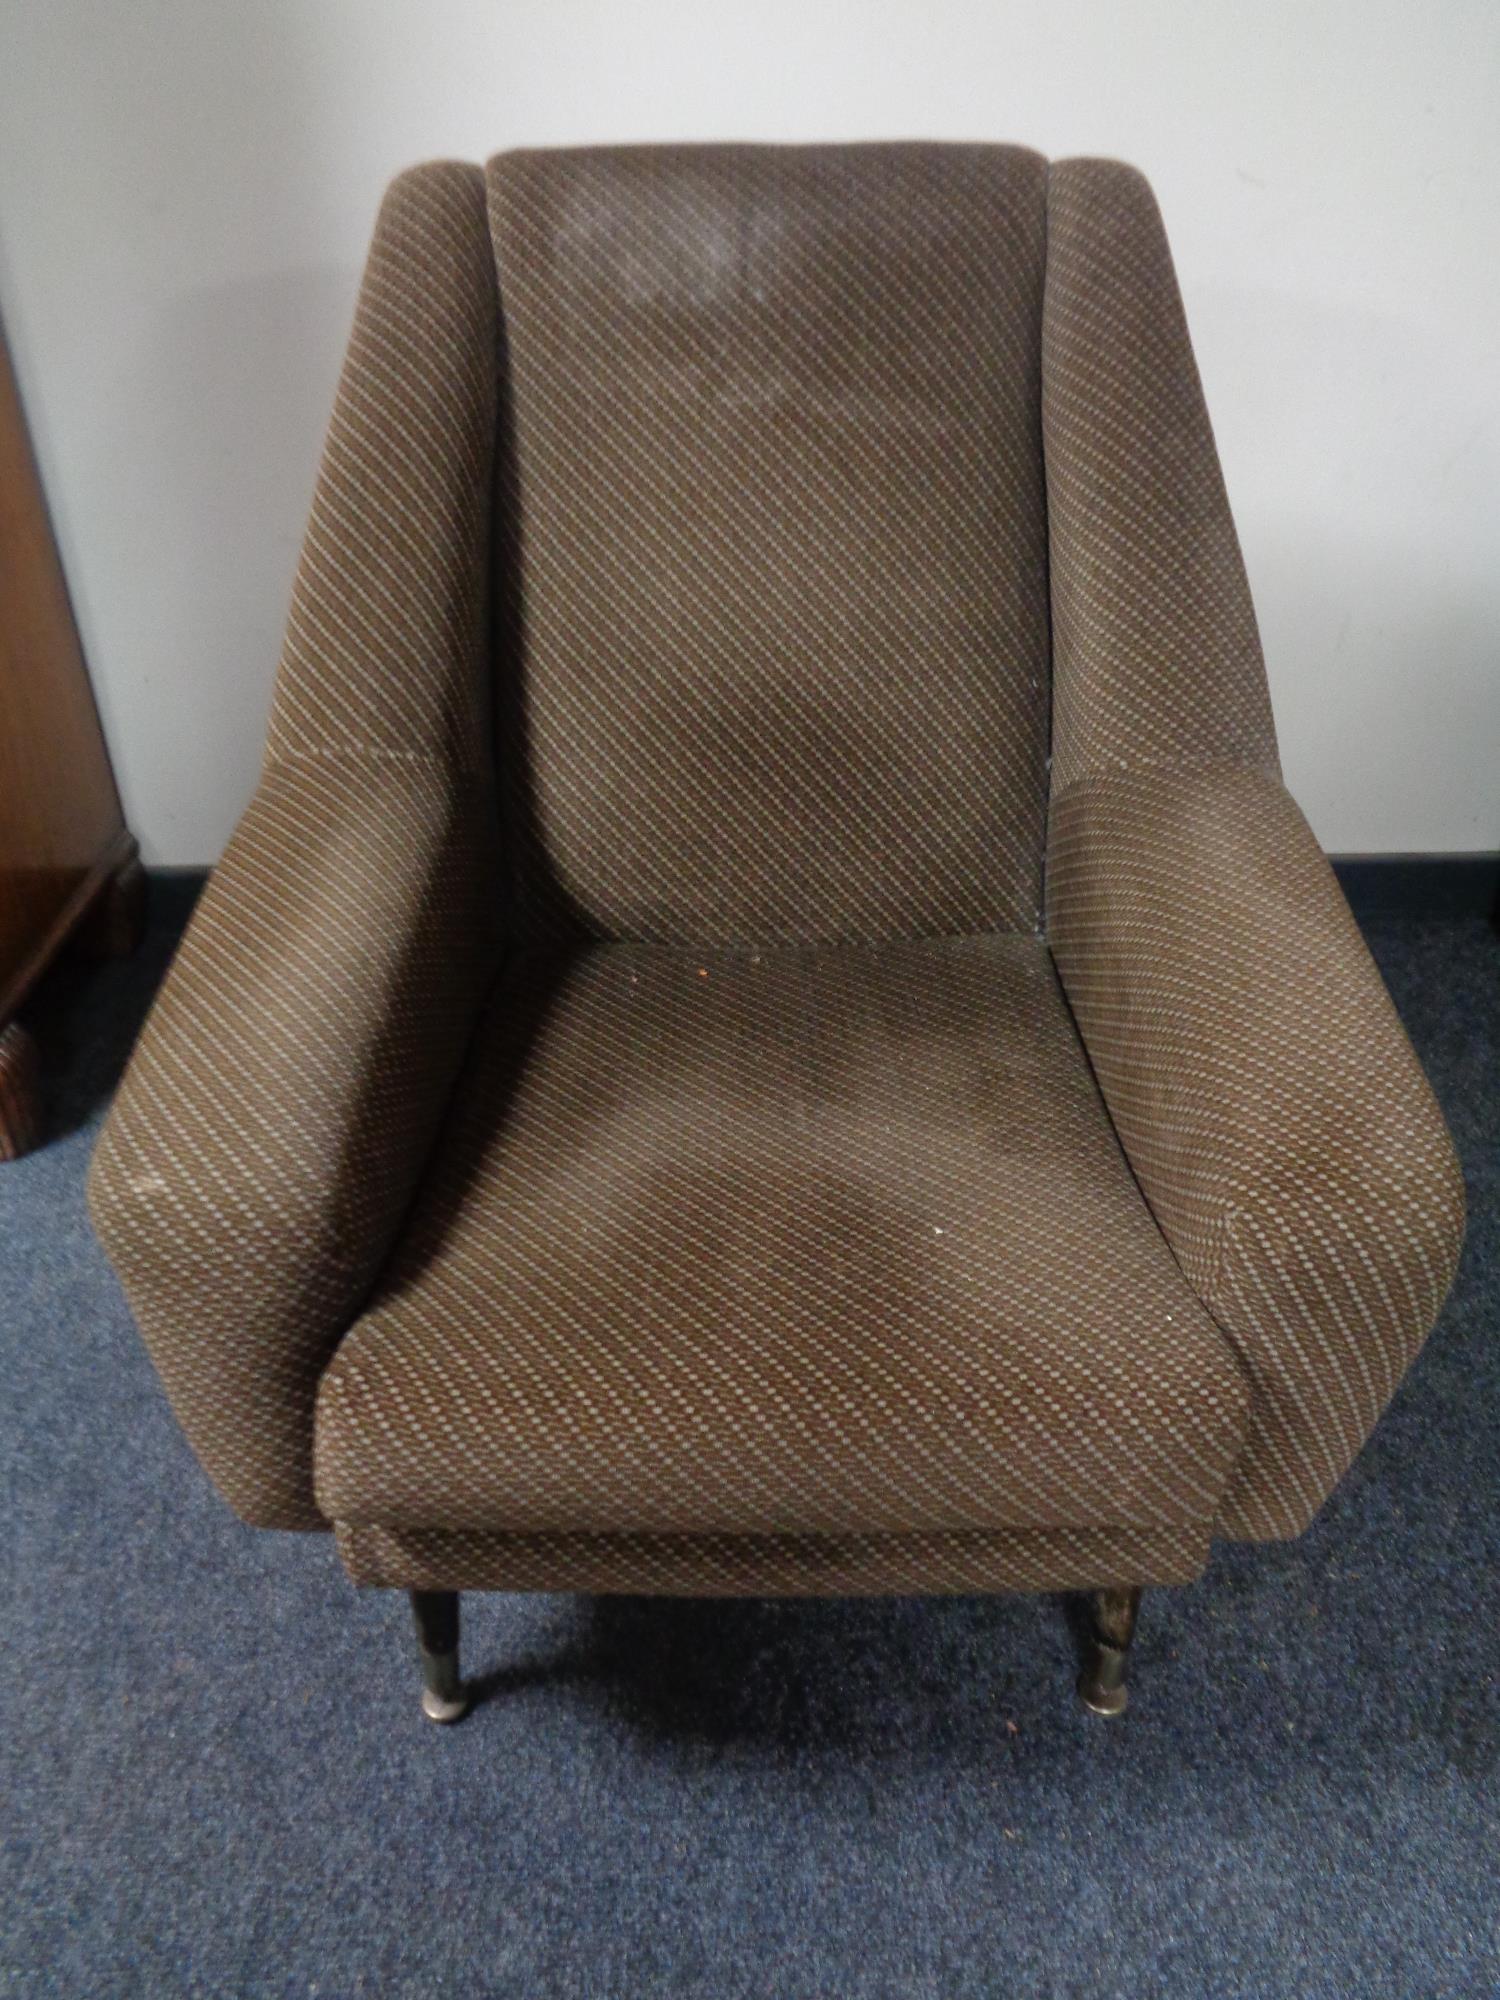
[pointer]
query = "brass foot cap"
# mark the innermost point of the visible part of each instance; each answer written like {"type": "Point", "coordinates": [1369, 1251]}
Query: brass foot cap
{"type": "Point", "coordinates": [445, 1708]}
{"type": "Point", "coordinates": [1102, 1700]}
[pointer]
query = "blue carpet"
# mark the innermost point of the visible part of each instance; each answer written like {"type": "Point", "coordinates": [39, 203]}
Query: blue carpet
{"type": "Point", "coordinates": [216, 1779]}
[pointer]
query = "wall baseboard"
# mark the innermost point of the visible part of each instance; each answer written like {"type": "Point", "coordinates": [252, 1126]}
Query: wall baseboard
{"type": "Point", "coordinates": [1377, 885]}
{"type": "Point", "coordinates": [1420, 885]}
{"type": "Point", "coordinates": [171, 894]}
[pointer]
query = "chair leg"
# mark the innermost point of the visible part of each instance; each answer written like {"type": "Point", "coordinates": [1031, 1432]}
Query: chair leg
{"type": "Point", "coordinates": [444, 1696]}
{"type": "Point", "coordinates": [1112, 1627]}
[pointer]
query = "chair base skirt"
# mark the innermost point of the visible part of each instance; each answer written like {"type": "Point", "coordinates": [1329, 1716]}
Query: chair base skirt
{"type": "Point", "coordinates": [774, 1565]}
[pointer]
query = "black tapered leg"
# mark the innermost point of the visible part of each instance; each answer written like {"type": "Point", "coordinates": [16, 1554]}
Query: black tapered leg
{"type": "Point", "coordinates": [1112, 1627]}
{"type": "Point", "coordinates": [444, 1696]}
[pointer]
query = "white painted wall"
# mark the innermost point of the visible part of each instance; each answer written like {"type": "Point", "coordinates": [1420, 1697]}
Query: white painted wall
{"type": "Point", "coordinates": [187, 187]}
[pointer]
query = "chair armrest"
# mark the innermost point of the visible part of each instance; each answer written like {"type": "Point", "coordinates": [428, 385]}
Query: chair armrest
{"type": "Point", "coordinates": [1272, 1109]}
{"type": "Point", "coordinates": [280, 1104]}
{"type": "Point", "coordinates": [277, 1112]}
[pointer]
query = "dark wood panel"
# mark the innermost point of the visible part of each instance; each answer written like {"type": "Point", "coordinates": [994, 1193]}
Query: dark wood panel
{"type": "Point", "coordinates": [62, 835]}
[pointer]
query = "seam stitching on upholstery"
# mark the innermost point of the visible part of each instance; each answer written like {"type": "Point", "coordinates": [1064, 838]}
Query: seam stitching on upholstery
{"type": "Point", "coordinates": [1168, 765]}
{"type": "Point", "coordinates": [373, 753]}
{"type": "Point", "coordinates": [1043, 868]}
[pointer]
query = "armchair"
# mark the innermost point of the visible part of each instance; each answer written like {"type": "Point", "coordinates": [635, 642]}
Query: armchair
{"type": "Point", "coordinates": [770, 1026]}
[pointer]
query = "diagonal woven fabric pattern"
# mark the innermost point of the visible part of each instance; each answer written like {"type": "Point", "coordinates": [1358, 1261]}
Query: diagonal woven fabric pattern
{"type": "Point", "coordinates": [278, 1109]}
{"type": "Point", "coordinates": [804, 1241]}
{"type": "Point", "coordinates": [1154, 639]}
{"type": "Point", "coordinates": [1270, 1103]}
{"type": "Point", "coordinates": [775, 1565]}
{"type": "Point", "coordinates": [614, 1122]}
{"type": "Point", "coordinates": [1271, 1107]}
{"type": "Point", "coordinates": [782, 534]}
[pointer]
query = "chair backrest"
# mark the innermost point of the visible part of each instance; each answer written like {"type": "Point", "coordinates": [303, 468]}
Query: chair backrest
{"type": "Point", "coordinates": [775, 557]}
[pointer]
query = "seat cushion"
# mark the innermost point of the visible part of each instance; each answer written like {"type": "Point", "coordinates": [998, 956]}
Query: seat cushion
{"type": "Point", "coordinates": [806, 1241]}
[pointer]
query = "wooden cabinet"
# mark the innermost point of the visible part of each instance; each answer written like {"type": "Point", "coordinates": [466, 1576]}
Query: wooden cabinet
{"type": "Point", "coordinates": [68, 868]}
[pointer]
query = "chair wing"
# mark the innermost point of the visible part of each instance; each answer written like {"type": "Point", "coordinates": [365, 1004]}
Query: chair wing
{"type": "Point", "coordinates": [281, 1101]}
{"type": "Point", "coordinates": [1270, 1105]}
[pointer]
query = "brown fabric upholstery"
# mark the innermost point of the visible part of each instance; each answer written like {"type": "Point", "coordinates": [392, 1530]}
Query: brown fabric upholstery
{"type": "Point", "coordinates": [775, 1566]}
{"type": "Point", "coordinates": [683, 521]}
{"type": "Point", "coordinates": [1270, 1103]}
{"type": "Point", "coordinates": [1154, 643]}
{"type": "Point", "coordinates": [277, 1111]}
{"type": "Point", "coordinates": [807, 1241]}
{"type": "Point", "coordinates": [782, 534]}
